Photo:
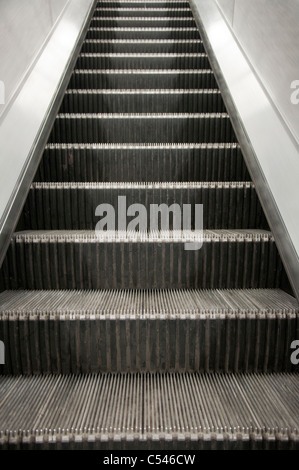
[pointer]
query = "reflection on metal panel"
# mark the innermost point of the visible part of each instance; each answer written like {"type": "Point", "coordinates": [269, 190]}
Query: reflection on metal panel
{"type": "Point", "coordinates": [268, 32]}
{"type": "Point", "coordinates": [270, 151]}
{"type": "Point", "coordinates": [227, 7]}
{"type": "Point", "coordinates": [24, 27]}
{"type": "Point", "coordinates": [27, 121]}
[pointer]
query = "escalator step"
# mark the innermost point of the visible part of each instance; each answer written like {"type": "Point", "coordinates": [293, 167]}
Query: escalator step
{"type": "Point", "coordinates": [143, 79]}
{"type": "Point", "coordinates": [142, 128]}
{"type": "Point", "coordinates": [153, 330]}
{"type": "Point", "coordinates": [126, 260]}
{"type": "Point", "coordinates": [142, 12]}
{"type": "Point", "coordinates": [137, 163]}
{"type": "Point", "coordinates": [139, 411]}
{"type": "Point", "coordinates": [72, 206]}
{"type": "Point", "coordinates": [143, 22]}
{"type": "Point", "coordinates": [162, 338]}
{"type": "Point", "coordinates": [144, 60]}
{"type": "Point", "coordinates": [152, 46]}
{"type": "Point", "coordinates": [144, 3]}
{"type": "Point", "coordinates": [142, 101]}
{"type": "Point", "coordinates": [142, 33]}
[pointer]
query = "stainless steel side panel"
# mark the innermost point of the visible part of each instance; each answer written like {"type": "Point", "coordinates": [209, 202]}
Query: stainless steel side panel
{"type": "Point", "coordinates": [270, 150]}
{"type": "Point", "coordinates": [25, 126]}
{"type": "Point", "coordinates": [268, 32]}
{"type": "Point", "coordinates": [25, 27]}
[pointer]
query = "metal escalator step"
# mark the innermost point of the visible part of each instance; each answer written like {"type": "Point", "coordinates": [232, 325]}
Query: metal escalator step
{"type": "Point", "coordinates": [142, 12]}
{"type": "Point", "coordinates": [149, 260]}
{"type": "Point", "coordinates": [160, 46]}
{"type": "Point", "coordinates": [72, 206]}
{"type": "Point", "coordinates": [137, 163]}
{"type": "Point", "coordinates": [142, 101]}
{"type": "Point", "coordinates": [143, 33]}
{"type": "Point", "coordinates": [145, 61]}
{"type": "Point", "coordinates": [139, 411]}
{"type": "Point", "coordinates": [142, 128]}
{"type": "Point", "coordinates": [147, 331]}
{"type": "Point", "coordinates": [145, 4]}
{"type": "Point", "coordinates": [143, 79]}
{"type": "Point", "coordinates": [143, 22]}
{"type": "Point", "coordinates": [159, 339]}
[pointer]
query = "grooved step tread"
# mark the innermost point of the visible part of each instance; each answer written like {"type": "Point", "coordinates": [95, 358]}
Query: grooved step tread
{"type": "Point", "coordinates": [148, 304]}
{"type": "Point", "coordinates": [197, 410]}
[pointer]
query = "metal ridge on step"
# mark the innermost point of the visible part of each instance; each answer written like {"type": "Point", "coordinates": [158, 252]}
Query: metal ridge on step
{"type": "Point", "coordinates": [143, 18]}
{"type": "Point", "coordinates": [143, 9]}
{"type": "Point", "coordinates": [225, 145]}
{"type": "Point", "coordinates": [142, 41]}
{"type": "Point", "coordinates": [144, 71]}
{"type": "Point", "coordinates": [93, 28]}
{"type": "Point", "coordinates": [141, 115]}
{"type": "Point", "coordinates": [143, 185]}
{"type": "Point", "coordinates": [142, 54]}
{"type": "Point", "coordinates": [122, 236]}
{"type": "Point", "coordinates": [142, 91]}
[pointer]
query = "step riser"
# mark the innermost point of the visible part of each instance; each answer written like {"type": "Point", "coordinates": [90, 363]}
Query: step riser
{"type": "Point", "coordinates": [41, 345]}
{"type": "Point", "coordinates": [140, 47]}
{"type": "Point", "coordinates": [143, 4]}
{"type": "Point", "coordinates": [135, 80]}
{"type": "Point", "coordinates": [142, 164]}
{"type": "Point", "coordinates": [152, 129]}
{"type": "Point", "coordinates": [135, 265]}
{"type": "Point", "coordinates": [152, 22]}
{"type": "Point", "coordinates": [142, 12]}
{"type": "Point", "coordinates": [143, 33]}
{"type": "Point", "coordinates": [205, 443]}
{"type": "Point", "coordinates": [166, 61]}
{"type": "Point", "coordinates": [142, 103]}
{"type": "Point", "coordinates": [50, 208]}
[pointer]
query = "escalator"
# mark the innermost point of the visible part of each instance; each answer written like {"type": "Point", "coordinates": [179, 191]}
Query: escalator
{"type": "Point", "coordinates": [125, 339]}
